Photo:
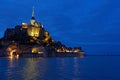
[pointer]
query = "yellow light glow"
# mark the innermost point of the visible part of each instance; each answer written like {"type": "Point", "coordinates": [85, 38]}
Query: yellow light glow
{"type": "Point", "coordinates": [58, 50]}
{"type": "Point", "coordinates": [34, 50]}
{"type": "Point", "coordinates": [17, 56]}
{"type": "Point", "coordinates": [40, 52]}
{"type": "Point", "coordinates": [33, 31]}
{"type": "Point", "coordinates": [76, 51]}
{"type": "Point", "coordinates": [11, 55]}
{"type": "Point", "coordinates": [24, 25]}
{"type": "Point", "coordinates": [67, 51]}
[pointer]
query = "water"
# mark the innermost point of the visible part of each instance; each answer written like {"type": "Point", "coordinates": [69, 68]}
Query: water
{"type": "Point", "coordinates": [101, 49]}
{"type": "Point", "coordinates": [88, 68]}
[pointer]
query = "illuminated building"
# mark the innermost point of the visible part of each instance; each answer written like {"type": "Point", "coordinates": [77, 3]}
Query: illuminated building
{"type": "Point", "coordinates": [33, 31]}
{"type": "Point", "coordinates": [33, 39]}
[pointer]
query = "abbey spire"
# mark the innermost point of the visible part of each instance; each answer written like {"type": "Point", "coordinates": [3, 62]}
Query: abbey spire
{"type": "Point", "coordinates": [32, 21]}
{"type": "Point", "coordinates": [33, 12]}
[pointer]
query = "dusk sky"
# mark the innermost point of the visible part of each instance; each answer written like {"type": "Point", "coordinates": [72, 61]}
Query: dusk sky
{"type": "Point", "coordinates": [92, 24]}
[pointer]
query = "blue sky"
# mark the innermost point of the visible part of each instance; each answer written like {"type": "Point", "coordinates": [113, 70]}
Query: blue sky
{"type": "Point", "coordinates": [92, 24]}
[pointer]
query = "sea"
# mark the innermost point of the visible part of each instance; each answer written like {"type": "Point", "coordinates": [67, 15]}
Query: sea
{"type": "Point", "coordinates": [64, 68]}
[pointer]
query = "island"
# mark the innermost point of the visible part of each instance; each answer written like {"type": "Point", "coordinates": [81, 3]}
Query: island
{"type": "Point", "coordinates": [33, 40]}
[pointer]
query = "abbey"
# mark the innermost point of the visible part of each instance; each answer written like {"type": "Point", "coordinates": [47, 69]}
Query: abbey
{"type": "Point", "coordinates": [34, 32]}
{"type": "Point", "coordinates": [32, 39]}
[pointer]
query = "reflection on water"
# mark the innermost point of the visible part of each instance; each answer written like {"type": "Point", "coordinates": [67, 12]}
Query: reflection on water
{"type": "Point", "coordinates": [11, 64]}
{"type": "Point", "coordinates": [76, 67]}
{"type": "Point", "coordinates": [31, 69]}
{"type": "Point", "coordinates": [89, 68]}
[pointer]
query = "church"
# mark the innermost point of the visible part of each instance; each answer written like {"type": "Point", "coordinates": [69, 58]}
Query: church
{"type": "Point", "coordinates": [32, 39]}
{"type": "Point", "coordinates": [34, 32]}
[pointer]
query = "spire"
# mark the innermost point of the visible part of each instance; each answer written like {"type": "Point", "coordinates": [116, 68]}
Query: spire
{"type": "Point", "coordinates": [32, 20]}
{"type": "Point", "coordinates": [33, 12]}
